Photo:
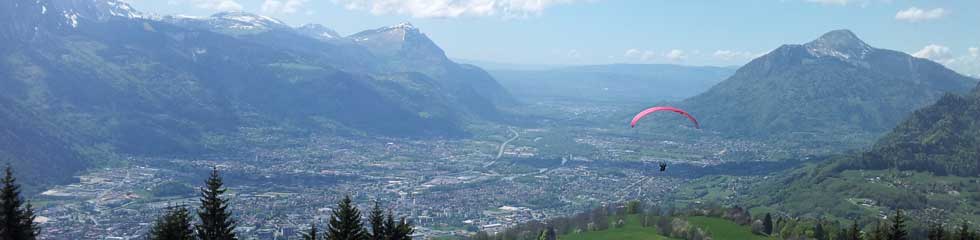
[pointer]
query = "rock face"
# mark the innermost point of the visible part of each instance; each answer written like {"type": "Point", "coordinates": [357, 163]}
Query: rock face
{"type": "Point", "coordinates": [835, 87]}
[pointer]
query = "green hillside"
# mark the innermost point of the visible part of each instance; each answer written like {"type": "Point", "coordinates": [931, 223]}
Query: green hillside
{"type": "Point", "coordinates": [632, 230]}
{"type": "Point", "coordinates": [928, 166]}
{"type": "Point", "coordinates": [722, 229]}
{"type": "Point", "coordinates": [943, 139]}
{"type": "Point", "coordinates": [719, 229]}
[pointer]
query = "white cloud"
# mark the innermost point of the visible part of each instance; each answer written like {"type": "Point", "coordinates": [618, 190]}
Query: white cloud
{"type": "Point", "coordinates": [673, 55]}
{"type": "Point", "coordinates": [935, 52]}
{"type": "Point", "coordinates": [642, 55]}
{"type": "Point", "coordinates": [914, 14]}
{"type": "Point", "coordinates": [220, 5]}
{"type": "Point", "coordinates": [968, 63]}
{"type": "Point", "coordinates": [729, 55]}
{"type": "Point", "coordinates": [283, 6]}
{"type": "Point", "coordinates": [633, 52]}
{"type": "Point", "coordinates": [676, 55]}
{"type": "Point", "coordinates": [455, 8]}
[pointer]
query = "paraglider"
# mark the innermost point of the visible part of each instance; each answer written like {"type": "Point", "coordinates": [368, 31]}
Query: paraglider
{"type": "Point", "coordinates": [644, 113]}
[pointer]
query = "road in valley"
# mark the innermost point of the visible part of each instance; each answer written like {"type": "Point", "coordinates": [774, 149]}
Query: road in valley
{"type": "Point", "coordinates": [500, 152]}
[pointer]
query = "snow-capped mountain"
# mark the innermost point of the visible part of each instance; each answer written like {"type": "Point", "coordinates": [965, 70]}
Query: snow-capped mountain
{"type": "Point", "coordinates": [243, 59]}
{"type": "Point", "coordinates": [32, 16]}
{"type": "Point", "coordinates": [318, 31]}
{"type": "Point", "coordinates": [99, 10]}
{"type": "Point", "coordinates": [841, 44]}
{"type": "Point", "coordinates": [393, 34]}
{"type": "Point", "coordinates": [246, 21]}
{"type": "Point", "coordinates": [229, 22]}
{"type": "Point", "coordinates": [400, 40]}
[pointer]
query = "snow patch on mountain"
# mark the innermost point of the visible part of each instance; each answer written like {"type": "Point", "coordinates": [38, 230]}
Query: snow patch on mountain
{"type": "Point", "coordinates": [71, 17]}
{"type": "Point", "coordinates": [319, 32]}
{"type": "Point", "coordinates": [121, 9]}
{"type": "Point", "coordinates": [248, 18]}
{"type": "Point", "coordinates": [244, 22]}
{"type": "Point", "coordinates": [840, 44]}
{"type": "Point", "coordinates": [404, 25]}
{"type": "Point", "coordinates": [228, 22]}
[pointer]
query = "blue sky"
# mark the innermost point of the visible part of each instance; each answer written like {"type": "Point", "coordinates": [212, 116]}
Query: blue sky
{"type": "Point", "coordinates": [633, 31]}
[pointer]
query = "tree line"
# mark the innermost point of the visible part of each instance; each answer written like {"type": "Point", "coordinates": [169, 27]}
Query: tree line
{"type": "Point", "coordinates": [214, 219]}
{"type": "Point", "coordinates": [895, 227]}
{"type": "Point", "coordinates": [673, 223]}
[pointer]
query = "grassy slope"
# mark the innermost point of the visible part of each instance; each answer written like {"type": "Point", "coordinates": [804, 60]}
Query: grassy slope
{"type": "Point", "coordinates": [632, 231]}
{"type": "Point", "coordinates": [721, 229]}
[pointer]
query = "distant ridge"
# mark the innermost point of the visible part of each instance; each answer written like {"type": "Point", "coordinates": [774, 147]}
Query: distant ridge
{"type": "Point", "coordinates": [835, 88]}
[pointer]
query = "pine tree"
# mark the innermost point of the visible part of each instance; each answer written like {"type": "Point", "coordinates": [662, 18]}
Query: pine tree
{"type": "Point", "coordinates": [175, 224]}
{"type": "Point", "coordinates": [390, 225]}
{"type": "Point", "coordinates": [842, 234]}
{"type": "Point", "coordinates": [377, 220]}
{"type": "Point", "coordinates": [819, 233]}
{"type": "Point", "coordinates": [965, 233]}
{"type": "Point", "coordinates": [854, 233]}
{"type": "Point", "coordinates": [879, 233]}
{"type": "Point", "coordinates": [767, 224]}
{"type": "Point", "coordinates": [548, 234]}
{"type": "Point", "coordinates": [403, 231]}
{"type": "Point", "coordinates": [345, 224]}
{"type": "Point", "coordinates": [312, 234]}
{"type": "Point", "coordinates": [897, 231]}
{"type": "Point", "coordinates": [216, 222]}
{"type": "Point", "coordinates": [937, 232]}
{"type": "Point", "coordinates": [16, 218]}
{"type": "Point", "coordinates": [29, 227]}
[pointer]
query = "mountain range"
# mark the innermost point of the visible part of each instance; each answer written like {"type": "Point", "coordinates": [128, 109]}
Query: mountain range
{"type": "Point", "coordinates": [836, 88]}
{"type": "Point", "coordinates": [86, 78]}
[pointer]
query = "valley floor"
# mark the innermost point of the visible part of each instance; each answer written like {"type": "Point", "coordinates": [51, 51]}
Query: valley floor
{"type": "Point", "coordinates": [547, 167]}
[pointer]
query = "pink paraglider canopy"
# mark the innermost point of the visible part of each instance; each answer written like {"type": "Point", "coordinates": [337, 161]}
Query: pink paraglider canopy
{"type": "Point", "coordinates": [644, 113]}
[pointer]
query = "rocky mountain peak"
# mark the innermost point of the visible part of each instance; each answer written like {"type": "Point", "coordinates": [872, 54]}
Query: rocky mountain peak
{"type": "Point", "coordinates": [841, 43]}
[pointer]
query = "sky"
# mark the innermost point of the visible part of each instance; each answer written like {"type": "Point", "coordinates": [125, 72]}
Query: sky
{"type": "Point", "coordinates": [579, 32]}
